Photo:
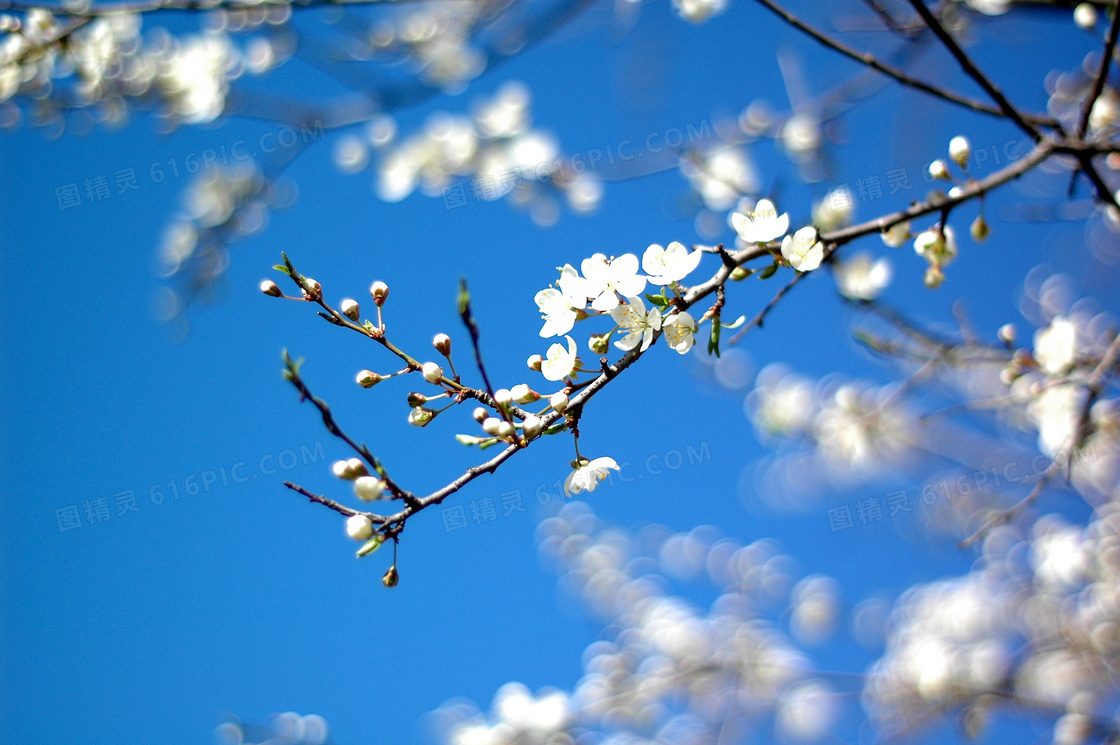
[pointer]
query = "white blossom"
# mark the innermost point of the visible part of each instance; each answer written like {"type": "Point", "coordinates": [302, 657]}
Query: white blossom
{"type": "Point", "coordinates": [1055, 347]}
{"type": "Point", "coordinates": [680, 331]}
{"type": "Point", "coordinates": [640, 325]}
{"type": "Point", "coordinates": [802, 250]}
{"type": "Point", "coordinates": [559, 363]}
{"type": "Point", "coordinates": [606, 278]}
{"type": "Point", "coordinates": [762, 225]}
{"type": "Point", "coordinates": [860, 278]}
{"type": "Point", "coordinates": [359, 527]}
{"type": "Point", "coordinates": [559, 308]}
{"type": "Point", "coordinates": [667, 265]}
{"type": "Point", "coordinates": [588, 475]}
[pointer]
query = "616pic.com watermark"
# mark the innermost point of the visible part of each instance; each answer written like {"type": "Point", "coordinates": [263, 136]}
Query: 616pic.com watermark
{"type": "Point", "coordinates": [99, 187]}
{"type": "Point", "coordinates": [102, 509]}
{"type": "Point", "coordinates": [485, 510]}
{"type": "Point", "coordinates": [1013, 472]}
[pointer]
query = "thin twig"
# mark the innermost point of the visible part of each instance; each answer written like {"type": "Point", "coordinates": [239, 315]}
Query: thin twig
{"type": "Point", "coordinates": [1102, 76]}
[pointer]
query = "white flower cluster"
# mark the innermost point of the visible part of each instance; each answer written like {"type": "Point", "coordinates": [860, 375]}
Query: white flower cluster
{"type": "Point", "coordinates": [496, 147]}
{"type": "Point", "coordinates": [801, 250]}
{"type": "Point", "coordinates": [665, 670]}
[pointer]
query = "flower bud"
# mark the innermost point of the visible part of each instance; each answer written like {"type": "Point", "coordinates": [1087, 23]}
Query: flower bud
{"type": "Point", "coordinates": [417, 399]}
{"type": "Point", "coordinates": [481, 414]}
{"type": "Point", "coordinates": [431, 372]}
{"type": "Point", "coordinates": [533, 426]}
{"type": "Point", "coordinates": [268, 287]}
{"type": "Point", "coordinates": [739, 273]}
{"type": "Point", "coordinates": [357, 468]}
{"type": "Point", "coordinates": [468, 439]}
{"type": "Point", "coordinates": [534, 362]}
{"type": "Point", "coordinates": [1009, 375]}
{"type": "Point", "coordinates": [934, 277]}
{"type": "Point", "coordinates": [392, 577]}
{"type": "Point", "coordinates": [505, 429]}
{"type": "Point", "coordinates": [359, 527]}
{"type": "Point", "coordinates": [368, 378]}
{"type": "Point", "coordinates": [341, 469]}
{"type": "Point", "coordinates": [1007, 334]}
{"type": "Point", "coordinates": [559, 401]}
{"type": "Point", "coordinates": [1085, 16]}
{"type": "Point", "coordinates": [979, 229]}
{"type": "Point", "coordinates": [598, 343]}
{"type": "Point", "coordinates": [959, 151]}
{"type": "Point", "coordinates": [314, 290]}
{"type": "Point", "coordinates": [503, 397]}
{"type": "Point", "coordinates": [351, 309]}
{"type": "Point", "coordinates": [379, 291]}
{"type": "Point", "coordinates": [371, 545]}
{"type": "Point", "coordinates": [442, 343]}
{"type": "Point", "coordinates": [897, 234]}
{"type": "Point", "coordinates": [938, 170]}
{"type": "Point", "coordinates": [420, 416]}
{"type": "Point", "coordinates": [490, 425]}
{"type": "Point", "coordinates": [523, 394]}
{"type": "Point", "coordinates": [368, 488]}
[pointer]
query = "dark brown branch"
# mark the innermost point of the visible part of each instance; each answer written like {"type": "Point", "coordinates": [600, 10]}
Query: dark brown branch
{"type": "Point", "coordinates": [866, 58]}
{"type": "Point", "coordinates": [973, 71]}
{"type": "Point", "coordinates": [1102, 76]}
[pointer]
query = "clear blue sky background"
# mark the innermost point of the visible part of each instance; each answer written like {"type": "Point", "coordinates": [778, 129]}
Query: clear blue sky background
{"type": "Point", "coordinates": [245, 598]}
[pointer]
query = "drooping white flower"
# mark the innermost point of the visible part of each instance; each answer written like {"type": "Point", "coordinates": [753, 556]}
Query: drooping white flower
{"type": "Point", "coordinates": [680, 331]}
{"type": "Point", "coordinates": [369, 488]}
{"type": "Point", "coordinates": [359, 527]}
{"type": "Point", "coordinates": [559, 363]}
{"type": "Point", "coordinates": [802, 249]}
{"type": "Point", "coordinates": [606, 277]}
{"type": "Point", "coordinates": [667, 265]}
{"type": "Point", "coordinates": [640, 325]}
{"type": "Point", "coordinates": [896, 235]}
{"type": "Point", "coordinates": [860, 278]}
{"type": "Point", "coordinates": [559, 306]}
{"type": "Point", "coordinates": [762, 225]}
{"type": "Point", "coordinates": [1055, 347]}
{"type": "Point", "coordinates": [588, 475]}
{"type": "Point", "coordinates": [938, 247]}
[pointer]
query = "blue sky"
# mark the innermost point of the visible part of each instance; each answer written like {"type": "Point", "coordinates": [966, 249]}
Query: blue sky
{"type": "Point", "coordinates": [245, 598]}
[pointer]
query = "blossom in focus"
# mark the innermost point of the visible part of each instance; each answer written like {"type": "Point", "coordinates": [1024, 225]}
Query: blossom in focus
{"type": "Point", "coordinates": [588, 475]}
{"type": "Point", "coordinates": [680, 331]}
{"type": "Point", "coordinates": [559, 307]}
{"type": "Point", "coordinates": [802, 250]}
{"type": "Point", "coordinates": [860, 278]}
{"type": "Point", "coordinates": [639, 324]}
{"type": "Point", "coordinates": [667, 265]}
{"type": "Point", "coordinates": [606, 277]}
{"type": "Point", "coordinates": [559, 363]}
{"type": "Point", "coordinates": [762, 225]}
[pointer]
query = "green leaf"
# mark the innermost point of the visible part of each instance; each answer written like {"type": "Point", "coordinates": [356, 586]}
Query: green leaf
{"type": "Point", "coordinates": [659, 300]}
{"type": "Point", "coordinates": [371, 545]}
{"type": "Point", "coordinates": [769, 271]}
{"type": "Point", "coordinates": [282, 268]}
{"type": "Point", "coordinates": [713, 339]}
{"type": "Point", "coordinates": [464, 299]}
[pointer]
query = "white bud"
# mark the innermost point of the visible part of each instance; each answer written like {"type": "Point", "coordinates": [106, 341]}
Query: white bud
{"type": "Point", "coordinates": [505, 429]}
{"type": "Point", "coordinates": [959, 151]}
{"type": "Point", "coordinates": [357, 468]}
{"type": "Point", "coordinates": [1007, 334]}
{"type": "Point", "coordinates": [379, 291]}
{"type": "Point", "coordinates": [420, 416]}
{"type": "Point", "coordinates": [534, 362]}
{"type": "Point", "coordinates": [359, 527]}
{"type": "Point", "coordinates": [523, 394]}
{"type": "Point", "coordinates": [368, 378]}
{"type": "Point", "coordinates": [268, 287]}
{"type": "Point", "coordinates": [934, 277]}
{"type": "Point", "coordinates": [533, 426]}
{"type": "Point", "coordinates": [1085, 16]}
{"type": "Point", "coordinates": [955, 192]}
{"type": "Point", "coordinates": [341, 469]}
{"type": "Point", "coordinates": [491, 425]}
{"type": "Point", "coordinates": [368, 488]}
{"type": "Point", "coordinates": [442, 343]}
{"type": "Point", "coordinates": [559, 401]}
{"type": "Point", "coordinates": [468, 439]}
{"type": "Point", "coordinates": [351, 309]}
{"type": "Point", "coordinates": [431, 372]}
{"type": "Point", "coordinates": [938, 170]}
{"type": "Point", "coordinates": [314, 290]}
{"type": "Point", "coordinates": [503, 397]}
{"type": "Point", "coordinates": [897, 234]}
{"type": "Point", "coordinates": [481, 414]}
